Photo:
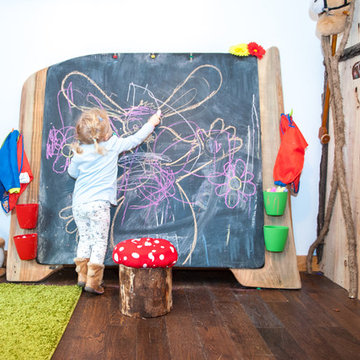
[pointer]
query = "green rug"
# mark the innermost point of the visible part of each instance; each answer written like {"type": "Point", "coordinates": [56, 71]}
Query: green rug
{"type": "Point", "coordinates": [33, 318]}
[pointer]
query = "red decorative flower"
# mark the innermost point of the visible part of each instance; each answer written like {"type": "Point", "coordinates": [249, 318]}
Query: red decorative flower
{"type": "Point", "coordinates": [256, 50]}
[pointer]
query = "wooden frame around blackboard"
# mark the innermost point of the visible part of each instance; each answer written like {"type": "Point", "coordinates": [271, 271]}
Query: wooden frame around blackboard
{"type": "Point", "coordinates": [280, 269]}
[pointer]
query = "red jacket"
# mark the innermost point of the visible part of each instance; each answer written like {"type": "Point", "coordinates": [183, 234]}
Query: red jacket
{"type": "Point", "coordinates": [290, 158]}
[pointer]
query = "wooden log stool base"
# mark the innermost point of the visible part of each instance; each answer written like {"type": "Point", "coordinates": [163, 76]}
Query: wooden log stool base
{"type": "Point", "coordinates": [145, 275]}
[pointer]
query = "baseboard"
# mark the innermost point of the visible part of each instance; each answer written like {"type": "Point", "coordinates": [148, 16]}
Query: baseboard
{"type": "Point", "coordinates": [301, 263]}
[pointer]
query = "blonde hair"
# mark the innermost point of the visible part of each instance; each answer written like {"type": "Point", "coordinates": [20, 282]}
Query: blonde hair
{"type": "Point", "coordinates": [93, 126]}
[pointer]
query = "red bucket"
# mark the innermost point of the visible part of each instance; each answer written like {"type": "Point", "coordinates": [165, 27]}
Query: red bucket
{"type": "Point", "coordinates": [26, 246]}
{"type": "Point", "coordinates": [27, 215]}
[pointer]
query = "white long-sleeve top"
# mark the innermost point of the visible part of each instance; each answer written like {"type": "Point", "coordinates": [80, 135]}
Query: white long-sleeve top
{"type": "Point", "coordinates": [96, 174]}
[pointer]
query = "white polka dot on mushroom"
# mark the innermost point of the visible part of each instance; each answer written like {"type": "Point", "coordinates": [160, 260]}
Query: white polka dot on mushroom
{"type": "Point", "coordinates": [135, 255]}
{"type": "Point", "coordinates": [162, 257]}
{"type": "Point", "coordinates": [116, 257]}
{"type": "Point", "coordinates": [121, 248]}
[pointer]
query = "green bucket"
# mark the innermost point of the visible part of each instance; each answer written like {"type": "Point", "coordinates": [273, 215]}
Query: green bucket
{"type": "Point", "coordinates": [275, 202]}
{"type": "Point", "coordinates": [275, 237]}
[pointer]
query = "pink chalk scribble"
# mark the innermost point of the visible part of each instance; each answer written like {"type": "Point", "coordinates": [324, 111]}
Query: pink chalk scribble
{"type": "Point", "coordinates": [178, 151]}
{"type": "Point", "coordinates": [234, 183]}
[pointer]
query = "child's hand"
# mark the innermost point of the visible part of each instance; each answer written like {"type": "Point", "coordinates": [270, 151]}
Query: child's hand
{"type": "Point", "coordinates": [155, 119]}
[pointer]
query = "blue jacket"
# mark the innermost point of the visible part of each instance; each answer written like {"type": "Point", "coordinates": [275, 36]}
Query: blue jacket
{"type": "Point", "coordinates": [9, 170]}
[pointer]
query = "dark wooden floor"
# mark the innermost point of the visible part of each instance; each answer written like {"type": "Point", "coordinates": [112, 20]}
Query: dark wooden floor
{"type": "Point", "coordinates": [214, 317]}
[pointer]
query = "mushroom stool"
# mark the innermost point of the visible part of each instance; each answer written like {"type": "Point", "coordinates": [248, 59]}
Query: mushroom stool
{"type": "Point", "coordinates": [145, 275]}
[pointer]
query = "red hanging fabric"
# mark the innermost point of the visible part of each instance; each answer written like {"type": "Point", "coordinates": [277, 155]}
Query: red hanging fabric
{"type": "Point", "coordinates": [290, 158]}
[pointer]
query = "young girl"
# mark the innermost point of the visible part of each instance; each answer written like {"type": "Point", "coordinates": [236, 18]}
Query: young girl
{"type": "Point", "coordinates": [94, 166]}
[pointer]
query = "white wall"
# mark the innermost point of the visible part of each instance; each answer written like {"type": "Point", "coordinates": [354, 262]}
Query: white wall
{"type": "Point", "coordinates": [40, 33]}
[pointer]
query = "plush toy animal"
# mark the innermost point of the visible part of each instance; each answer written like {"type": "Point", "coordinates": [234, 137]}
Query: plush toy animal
{"type": "Point", "coordinates": [2, 256]}
{"type": "Point", "coordinates": [331, 15]}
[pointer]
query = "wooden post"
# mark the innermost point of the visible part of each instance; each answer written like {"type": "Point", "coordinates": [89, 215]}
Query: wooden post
{"type": "Point", "coordinates": [31, 126]}
{"type": "Point", "coordinates": [280, 269]}
{"type": "Point", "coordinates": [145, 293]}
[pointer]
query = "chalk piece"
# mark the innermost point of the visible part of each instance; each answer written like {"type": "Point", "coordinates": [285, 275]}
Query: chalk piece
{"type": "Point", "coordinates": [158, 113]}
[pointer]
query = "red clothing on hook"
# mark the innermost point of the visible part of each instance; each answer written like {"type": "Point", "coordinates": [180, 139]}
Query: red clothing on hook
{"type": "Point", "coordinates": [290, 158]}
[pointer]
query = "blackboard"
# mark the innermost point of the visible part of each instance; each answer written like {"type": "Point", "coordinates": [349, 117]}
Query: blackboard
{"type": "Point", "coordinates": [196, 181]}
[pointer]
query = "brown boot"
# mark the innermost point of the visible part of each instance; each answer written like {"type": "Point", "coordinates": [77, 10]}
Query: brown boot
{"type": "Point", "coordinates": [81, 269]}
{"type": "Point", "coordinates": [94, 278]}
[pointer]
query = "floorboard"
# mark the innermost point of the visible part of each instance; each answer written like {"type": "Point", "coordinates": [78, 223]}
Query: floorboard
{"type": "Point", "coordinates": [214, 317]}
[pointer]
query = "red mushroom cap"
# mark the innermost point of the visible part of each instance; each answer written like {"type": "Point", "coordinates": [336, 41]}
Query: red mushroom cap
{"type": "Point", "coordinates": [145, 253]}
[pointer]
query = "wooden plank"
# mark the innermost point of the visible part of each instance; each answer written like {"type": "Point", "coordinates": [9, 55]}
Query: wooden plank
{"type": "Point", "coordinates": [209, 327]}
{"type": "Point", "coordinates": [299, 326]}
{"type": "Point", "coordinates": [238, 324]}
{"type": "Point", "coordinates": [120, 333]}
{"type": "Point", "coordinates": [30, 125]}
{"type": "Point", "coordinates": [336, 308]}
{"type": "Point", "coordinates": [342, 341]}
{"type": "Point", "coordinates": [319, 317]}
{"type": "Point", "coordinates": [259, 312]}
{"type": "Point", "coordinates": [335, 257]}
{"type": "Point", "coordinates": [184, 341]}
{"type": "Point", "coordinates": [153, 342]}
{"type": "Point", "coordinates": [272, 296]}
{"type": "Point", "coordinates": [85, 339]}
{"type": "Point", "coordinates": [123, 339]}
{"type": "Point", "coordinates": [281, 343]}
{"type": "Point", "coordinates": [280, 269]}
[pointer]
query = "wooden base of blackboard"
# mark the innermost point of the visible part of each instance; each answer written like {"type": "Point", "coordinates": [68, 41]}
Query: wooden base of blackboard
{"type": "Point", "coordinates": [280, 269]}
{"type": "Point", "coordinates": [30, 125]}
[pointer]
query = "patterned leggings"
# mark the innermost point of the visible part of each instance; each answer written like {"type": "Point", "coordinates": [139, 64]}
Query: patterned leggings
{"type": "Point", "coordinates": [93, 222]}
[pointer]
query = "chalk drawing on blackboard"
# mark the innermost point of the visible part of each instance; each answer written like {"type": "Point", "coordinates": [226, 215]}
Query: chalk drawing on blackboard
{"type": "Point", "coordinates": [154, 182]}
